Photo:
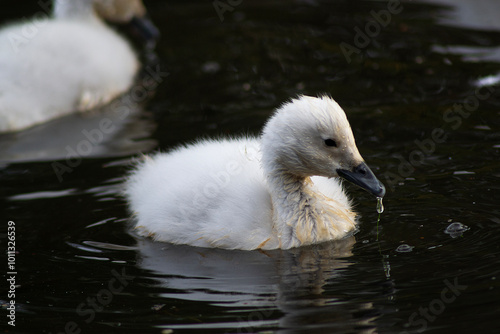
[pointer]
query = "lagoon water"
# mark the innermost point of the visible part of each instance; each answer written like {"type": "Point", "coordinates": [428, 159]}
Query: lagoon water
{"type": "Point", "coordinates": [418, 83]}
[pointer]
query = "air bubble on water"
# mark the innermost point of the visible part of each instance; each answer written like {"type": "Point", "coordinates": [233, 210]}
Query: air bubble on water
{"type": "Point", "coordinates": [380, 205]}
{"type": "Point", "coordinates": [456, 229]}
{"type": "Point", "coordinates": [404, 248]}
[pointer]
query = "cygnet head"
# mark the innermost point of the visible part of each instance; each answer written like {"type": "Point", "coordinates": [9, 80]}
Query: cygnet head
{"type": "Point", "coordinates": [117, 11]}
{"type": "Point", "coordinates": [128, 11]}
{"type": "Point", "coordinates": [311, 136]}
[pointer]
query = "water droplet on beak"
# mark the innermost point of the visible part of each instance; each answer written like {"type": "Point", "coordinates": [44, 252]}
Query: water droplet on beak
{"type": "Point", "coordinates": [380, 205]}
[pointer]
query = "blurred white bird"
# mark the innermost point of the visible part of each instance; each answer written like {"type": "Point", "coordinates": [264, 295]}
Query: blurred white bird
{"type": "Point", "coordinates": [69, 62]}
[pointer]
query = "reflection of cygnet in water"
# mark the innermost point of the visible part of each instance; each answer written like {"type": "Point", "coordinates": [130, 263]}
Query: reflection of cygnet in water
{"type": "Point", "coordinates": [70, 62]}
{"type": "Point", "coordinates": [286, 285]}
{"type": "Point", "coordinates": [218, 275]}
{"type": "Point", "coordinates": [118, 129]}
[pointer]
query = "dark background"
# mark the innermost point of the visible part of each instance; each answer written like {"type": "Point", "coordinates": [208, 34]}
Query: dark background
{"type": "Point", "coordinates": [225, 78]}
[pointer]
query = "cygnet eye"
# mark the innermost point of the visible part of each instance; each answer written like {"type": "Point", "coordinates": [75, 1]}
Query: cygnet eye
{"type": "Point", "coordinates": [330, 142]}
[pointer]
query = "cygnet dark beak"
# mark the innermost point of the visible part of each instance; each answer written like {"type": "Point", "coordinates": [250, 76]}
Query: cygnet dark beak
{"type": "Point", "coordinates": [144, 29]}
{"type": "Point", "coordinates": [362, 176]}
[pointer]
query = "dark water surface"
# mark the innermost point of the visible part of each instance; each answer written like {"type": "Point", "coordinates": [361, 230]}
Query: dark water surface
{"type": "Point", "coordinates": [420, 121]}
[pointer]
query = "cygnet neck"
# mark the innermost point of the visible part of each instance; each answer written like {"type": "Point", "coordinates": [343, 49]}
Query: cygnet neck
{"type": "Point", "coordinates": [302, 215]}
{"type": "Point", "coordinates": [75, 10]}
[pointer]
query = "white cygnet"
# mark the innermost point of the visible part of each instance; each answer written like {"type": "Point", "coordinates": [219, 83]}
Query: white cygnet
{"type": "Point", "coordinates": [71, 61]}
{"type": "Point", "coordinates": [277, 191]}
